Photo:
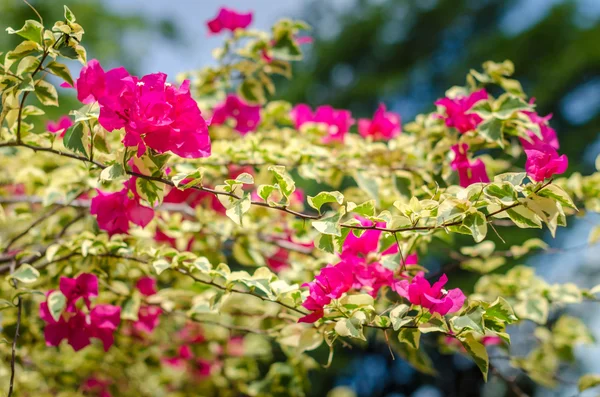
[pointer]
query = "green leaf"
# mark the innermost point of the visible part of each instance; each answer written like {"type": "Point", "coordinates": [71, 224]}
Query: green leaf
{"type": "Point", "coordinates": [60, 70]}
{"type": "Point", "coordinates": [27, 65]}
{"type": "Point", "coordinates": [325, 243]}
{"type": "Point", "coordinates": [349, 327]}
{"type": "Point", "coordinates": [265, 191]}
{"type": "Point", "coordinates": [524, 217]}
{"type": "Point", "coordinates": [500, 309]}
{"type": "Point", "coordinates": [286, 49]}
{"type": "Point", "coordinates": [323, 198]}
{"type": "Point", "coordinates": [555, 192]}
{"type": "Point", "coordinates": [46, 93]}
{"type": "Point", "coordinates": [365, 209]}
{"type": "Point", "coordinates": [56, 304]}
{"type": "Point", "coordinates": [330, 225]}
{"type": "Point", "coordinates": [473, 320]}
{"type": "Point", "coordinates": [113, 172]}
{"type": "Point", "coordinates": [484, 265]}
{"type": "Point", "coordinates": [131, 308]}
{"type": "Point", "coordinates": [32, 30]}
{"type": "Point", "coordinates": [507, 105]}
{"type": "Point", "coordinates": [26, 274]}
{"type": "Point", "coordinates": [477, 224]}
{"type": "Point", "coordinates": [435, 324]}
{"type": "Point", "coordinates": [239, 208]}
{"type": "Point", "coordinates": [534, 308]}
{"type": "Point", "coordinates": [514, 178]}
{"type": "Point", "coordinates": [369, 185]}
{"type": "Point", "coordinates": [477, 352]}
{"type": "Point", "coordinates": [69, 16]}
{"type": "Point", "coordinates": [245, 178]}
{"type": "Point", "coordinates": [252, 91]}
{"type": "Point", "coordinates": [150, 191]}
{"type": "Point", "coordinates": [160, 265]}
{"type": "Point", "coordinates": [588, 381]}
{"type": "Point", "coordinates": [410, 336]}
{"type": "Point", "coordinates": [284, 180]}
{"type": "Point", "coordinates": [504, 192]}
{"type": "Point", "coordinates": [491, 131]}
{"type": "Point", "coordinates": [73, 138]}
{"type": "Point", "coordinates": [398, 316]}
{"type": "Point", "coordinates": [193, 178]}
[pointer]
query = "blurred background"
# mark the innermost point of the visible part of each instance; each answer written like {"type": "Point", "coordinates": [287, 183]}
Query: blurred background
{"type": "Point", "coordinates": [404, 53]}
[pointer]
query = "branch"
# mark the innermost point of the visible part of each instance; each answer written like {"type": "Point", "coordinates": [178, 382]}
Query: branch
{"type": "Point", "coordinates": [34, 224]}
{"type": "Point", "coordinates": [13, 356]}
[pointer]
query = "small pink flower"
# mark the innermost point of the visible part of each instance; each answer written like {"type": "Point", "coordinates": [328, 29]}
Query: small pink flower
{"type": "Point", "coordinates": [384, 125]}
{"type": "Point", "coordinates": [148, 319]}
{"type": "Point", "coordinates": [114, 211]}
{"type": "Point", "coordinates": [543, 162]}
{"type": "Point", "coordinates": [228, 19]}
{"type": "Point", "coordinates": [469, 172]}
{"type": "Point", "coordinates": [84, 286]}
{"type": "Point", "coordinates": [337, 122]}
{"type": "Point", "coordinates": [492, 341]}
{"type": "Point", "coordinates": [547, 132]}
{"type": "Point", "coordinates": [91, 83]}
{"type": "Point", "coordinates": [74, 330]}
{"type": "Point", "coordinates": [95, 385]}
{"type": "Point", "coordinates": [146, 285]}
{"type": "Point", "coordinates": [247, 117]}
{"type": "Point", "coordinates": [431, 297]}
{"type": "Point", "coordinates": [331, 283]}
{"type": "Point", "coordinates": [104, 320]}
{"type": "Point", "coordinates": [457, 111]}
{"type": "Point", "coordinates": [59, 127]}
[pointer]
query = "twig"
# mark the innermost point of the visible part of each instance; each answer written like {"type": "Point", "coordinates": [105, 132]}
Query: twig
{"type": "Point", "coordinates": [13, 356]}
{"type": "Point", "coordinates": [34, 224]}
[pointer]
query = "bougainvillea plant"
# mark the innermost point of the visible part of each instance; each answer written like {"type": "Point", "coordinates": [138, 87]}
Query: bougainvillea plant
{"type": "Point", "coordinates": [191, 228]}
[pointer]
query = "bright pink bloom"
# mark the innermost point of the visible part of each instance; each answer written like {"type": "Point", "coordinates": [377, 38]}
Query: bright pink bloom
{"type": "Point", "coordinates": [114, 211]}
{"type": "Point", "coordinates": [95, 385]}
{"type": "Point", "coordinates": [432, 297]}
{"type": "Point", "coordinates": [384, 125]}
{"type": "Point", "coordinates": [278, 261]}
{"type": "Point", "coordinates": [331, 283]}
{"type": "Point", "coordinates": [547, 132]}
{"type": "Point", "coordinates": [338, 122]}
{"type": "Point", "coordinates": [543, 161]}
{"type": "Point", "coordinates": [202, 368]}
{"type": "Point", "coordinates": [457, 111]}
{"type": "Point", "coordinates": [154, 114]}
{"type": "Point", "coordinates": [91, 83]}
{"type": "Point", "coordinates": [492, 341]}
{"type": "Point", "coordinates": [148, 319]}
{"type": "Point", "coordinates": [59, 127]}
{"type": "Point", "coordinates": [146, 285]}
{"type": "Point", "coordinates": [83, 286]}
{"type": "Point", "coordinates": [228, 19]}
{"type": "Point", "coordinates": [247, 117]}
{"type": "Point", "coordinates": [104, 320]}
{"type": "Point", "coordinates": [74, 330]}
{"type": "Point", "coordinates": [469, 172]}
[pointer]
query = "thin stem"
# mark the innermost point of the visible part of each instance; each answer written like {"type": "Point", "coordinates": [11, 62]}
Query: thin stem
{"type": "Point", "coordinates": [13, 356]}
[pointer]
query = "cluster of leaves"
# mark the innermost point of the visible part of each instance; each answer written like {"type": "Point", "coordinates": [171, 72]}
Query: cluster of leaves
{"type": "Point", "coordinates": [232, 256]}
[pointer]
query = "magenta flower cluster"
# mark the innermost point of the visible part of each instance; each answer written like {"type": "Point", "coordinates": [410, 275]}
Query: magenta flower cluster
{"type": "Point", "coordinates": [154, 114]}
{"type": "Point", "coordinates": [76, 325]}
{"type": "Point", "coordinates": [360, 269]}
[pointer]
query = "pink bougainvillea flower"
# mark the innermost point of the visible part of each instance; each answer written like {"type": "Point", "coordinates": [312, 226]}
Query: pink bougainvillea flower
{"type": "Point", "coordinates": [331, 283]}
{"type": "Point", "coordinates": [457, 111]}
{"type": "Point", "coordinates": [228, 19]}
{"type": "Point", "coordinates": [492, 341]}
{"type": "Point", "coordinates": [74, 330]}
{"type": "Point", "coordinates": [548, 134]}
{"type": "Point", "coordinates": [469, 172]}
{"type": "Point", "coordinates": [114, 211]}
{"type": "Point", "coordinates": [154, 114]}
{"type": "Point", "coordinates": [146, 285]}
{"type": "Point", "coordinates": [91, 83]}
{"type": "Point", "coordinates": [59, 127]}
{"type": "Point", "coordinates": [543, 161]}
{"type": "Point", "coordinates": [336, 121]}
{"type": "Point", "coordinates": [97, 386]}
{"type": "Point", "coordinates": [247, 117]}
{"type": "Point", "coordinates": [84, 286]}
{"type": "Point", "coordinates": [148, 319]}
{"type": "Point", "coordinates": [104, 320]}
{"type": "Point", "coordinates": [431, 297]}
{"type": "Point", "coordinates": [384, 125]}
